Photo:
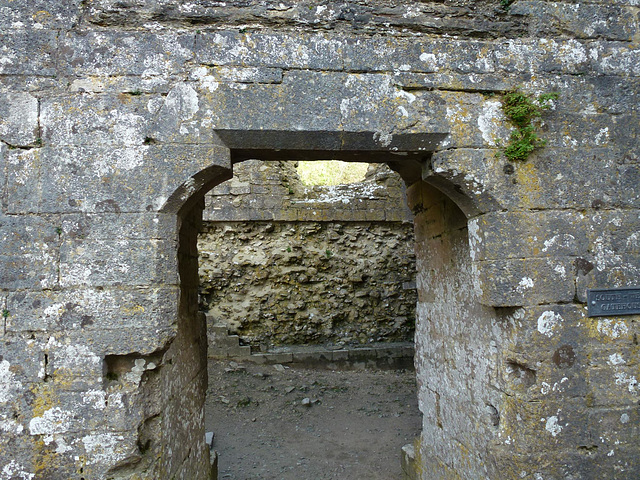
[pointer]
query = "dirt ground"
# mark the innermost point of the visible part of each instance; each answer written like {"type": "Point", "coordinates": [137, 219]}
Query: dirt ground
{"type": "Point", "coordinates": [274, 422]}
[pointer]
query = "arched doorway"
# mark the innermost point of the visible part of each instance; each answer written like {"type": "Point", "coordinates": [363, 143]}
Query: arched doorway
{"type": "Point", "coordinates": [327, 304]}
{"type": "Point", "coordinates": [406, 154]}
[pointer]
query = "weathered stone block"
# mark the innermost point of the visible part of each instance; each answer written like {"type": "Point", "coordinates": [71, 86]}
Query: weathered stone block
{"type": "Point", "coordinates": [288, 103]}
{"type": "Point", "coordinates": [91, 309]}
{"type": "Point", "coordinates": [38, 14]}
{"type": "Point", "coordinates": [127, 85]}
{"type": "Point", "coordinates": [379, 54]}
{"type": "Point", "coordinates": [18, 119]}
{"type": "Point", "coordinates": [28, 52]}
{"type": "Point", "coordinates": [98, 180]}
{"type": "Point", "coordinates": [546, 55]}
{"type": "Point", "coordinates": [540, 281]}
{"type": "Point", "coordinates": [117, 262]}
{"type": "Point", "coordinates": [616, 58]}
{"type": "Point", "coordinates": [520, 234]}
{"type": "Point", "coordinates": [30, 252]}
{"type": "Point", "coordinates": [111, 53]}
{"type": "Point", "coordinates": [212, 75]}
{"type": "Point", "coordinates": [313, 52]}
{"type": "Point", "coordinates": [580, 21]}
{"type": "Point", "coordinates": [93, 120]}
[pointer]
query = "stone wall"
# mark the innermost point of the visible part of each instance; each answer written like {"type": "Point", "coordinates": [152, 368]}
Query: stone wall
{"type": "Point", "coordinates": [341, 281]}
{"type": "Point", "coordinates": [117, 116]}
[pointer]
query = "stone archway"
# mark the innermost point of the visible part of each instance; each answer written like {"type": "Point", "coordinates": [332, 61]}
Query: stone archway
{"type": "Point", "coordinates": [405, 154]}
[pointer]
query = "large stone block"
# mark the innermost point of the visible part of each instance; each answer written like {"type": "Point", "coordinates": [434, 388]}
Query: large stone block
{"type": "Point", "coordinates": [18, 119]}
{"type": "Point", "coordinates": [292, 105]}
{"type": "Point", "coordinates": [91, 309]}
{"type": "Point", "coordinates": [108, 180]}
{"type": "Point", "coordinates": [579, 20]}
{"type": "Point", "coordinates": [428, 56]}
{"type": "Point", "coordinates": [529, 281]}
{"type": "Point", "coordinates": [28, 52]}
{"type": "Point", "coordinates": [312, 52]}
{"type": "Point", "coordinates": [109, 53]}
{"type": "Point", "coordinates": [117, 262]}
{"type": "Point", "coordinates": [38, 14]}
{"type": "Point", "coordinates": [95, 120]}
{"type": "Point", "coordinates": [520, 234]}
{"type": "Point", "coordinates": [616, 58]}
{"type": "Point", "coordinates": [29, 258]}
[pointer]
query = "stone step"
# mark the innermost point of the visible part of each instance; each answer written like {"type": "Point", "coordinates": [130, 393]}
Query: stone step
{"type": "Point", "coordinates": [221, 343]}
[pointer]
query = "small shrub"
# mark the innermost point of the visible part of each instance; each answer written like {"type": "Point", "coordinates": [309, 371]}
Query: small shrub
{"type": "Point", "coordinates": [506, 4]}
{"type": "Point", "coordinates": [522, 112]}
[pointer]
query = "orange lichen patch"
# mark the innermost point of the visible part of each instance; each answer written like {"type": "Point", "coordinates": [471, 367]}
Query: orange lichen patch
{"type": "Point", "coordinates": [529, 182]}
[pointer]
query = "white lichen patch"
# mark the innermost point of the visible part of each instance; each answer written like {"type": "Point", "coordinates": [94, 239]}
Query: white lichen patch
{"type": "Point", "coordinates": [106, 448]}
{"type": "Point", "coordinates": [95, 398]}
{"type": "Point", "coordinates": [560, 270]}
{"type": "Point", "coordinates": [524, 284]}
{"type": "Point", "coordinates": [570, 53]}
{"type": "Point", "coordinates": [10, 426]}
{"type": "Point", "coordinates": [490, 120]}
{"type": "Point", "coordinates": [616, 359]}
{"type": "Point", "coordinates": [430, 60]}
{"type": "Point", "coordinates": [602, 137]}
{"type": "Point", "coordinates": [135, 375]}
{"type": "Point", "coordinates": [612, 328]}
{"type": "Point", "coordinates": [556, 387]}
{"type": "Point", "coordinates": [548, 321]}
{"type": "Point", "coordinates": [382, 138]}
{"type": "Point", "coordinates": [205, 79]}
{"type": "Point", "coordinates": [629, 381]}
{"type": "Point", "coordinates": [9, 385]}
{"type": "Point", "coordinates": [552, 426]}
{"type": "Point", "coordinates": [564, 241]}
{"type": "Point", "coordinates": [78, 358]}
{"type": "Point", "coordinates": [53, 420]}
{"type": "Point", "coordinates": [475, 240]}
{"type": "Point", "coordinates": [182, 101]}
{"type": "Point", "coordinates": [13, 470]}
{"type": "Point", "coordinates": [605, 257]}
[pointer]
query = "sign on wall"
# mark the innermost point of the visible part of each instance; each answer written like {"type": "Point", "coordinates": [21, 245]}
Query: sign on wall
{"type": "Point", "coordinates": [613, 301]}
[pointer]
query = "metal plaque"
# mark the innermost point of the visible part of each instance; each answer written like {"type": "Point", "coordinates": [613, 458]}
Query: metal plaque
{"type": "Point", "coordinates": [612, 302]}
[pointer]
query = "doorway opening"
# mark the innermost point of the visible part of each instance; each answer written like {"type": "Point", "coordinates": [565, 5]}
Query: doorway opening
{"type": "Point", "coordinates": [324, 299]}
{"type": "Point", "coordinates": [405, 154]}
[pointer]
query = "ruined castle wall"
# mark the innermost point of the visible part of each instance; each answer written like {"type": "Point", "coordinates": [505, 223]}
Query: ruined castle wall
{"type": "Point", "coordinates": [276, 275]}
{"type": "Point", "coordinates": [116, 117]}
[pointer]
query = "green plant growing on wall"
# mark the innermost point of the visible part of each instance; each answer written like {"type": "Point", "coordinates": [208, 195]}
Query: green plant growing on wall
{"type": "Point", "coordinates": [506, 4]}
{"type": "Point", "coordinates": [522, 111]}
{"type": "Point", "coordinates": [5, 313]}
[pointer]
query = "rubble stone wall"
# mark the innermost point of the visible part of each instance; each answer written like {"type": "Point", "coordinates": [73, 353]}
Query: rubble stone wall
{"type": "Point", "coordinates": [117, 116]}
{"type": "Point", "coordinates": [277, 282]}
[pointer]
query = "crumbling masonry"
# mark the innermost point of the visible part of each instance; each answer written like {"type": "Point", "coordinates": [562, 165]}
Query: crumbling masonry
{"type": "Point", "coordinates": [117, 116]}
{"type": "Point", "coordinates": [282, 263]}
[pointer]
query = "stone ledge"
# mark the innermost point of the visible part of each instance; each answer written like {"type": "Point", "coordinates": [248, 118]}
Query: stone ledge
{"type": "Point", "coordinates": [378, 355]}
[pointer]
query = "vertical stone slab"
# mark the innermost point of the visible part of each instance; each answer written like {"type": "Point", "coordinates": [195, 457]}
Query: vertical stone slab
{"type": "Point", "coordinates": [457, 346]}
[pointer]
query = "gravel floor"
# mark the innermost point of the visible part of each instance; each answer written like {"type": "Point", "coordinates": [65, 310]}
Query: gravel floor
{"type": "Point", "coordinates": [293, 423]}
